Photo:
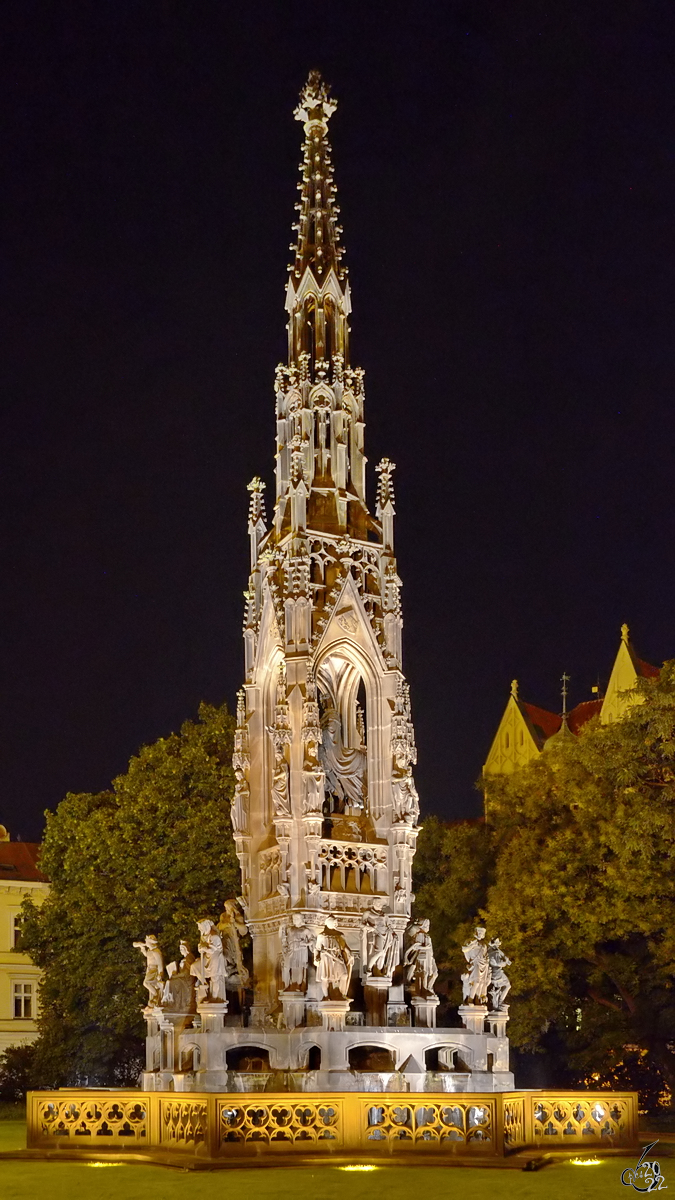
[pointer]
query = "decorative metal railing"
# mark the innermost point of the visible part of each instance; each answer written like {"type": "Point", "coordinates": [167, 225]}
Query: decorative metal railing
{"type": "Point", "coordinates": [358, 1124]}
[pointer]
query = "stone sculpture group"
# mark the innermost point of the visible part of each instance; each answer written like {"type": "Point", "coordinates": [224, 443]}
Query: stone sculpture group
{"type": "Point", "coordinates": [218, 967]}
{"type": "Point", "coordinates": [486, 975]}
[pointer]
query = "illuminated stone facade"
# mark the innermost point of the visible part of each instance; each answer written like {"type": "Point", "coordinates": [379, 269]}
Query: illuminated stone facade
{"type": "Point", "coordinates": [525, 728]}
{"type": "Point", "coordinates": [339, 992]}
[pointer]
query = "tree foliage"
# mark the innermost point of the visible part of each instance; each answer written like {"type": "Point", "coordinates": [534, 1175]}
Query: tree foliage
{"type": "Point", "coordinates": [574, 872]}
{"type": "Point", "coordinates": [152, 855]}
{"type": "Point", "coordinates": [452, 869]}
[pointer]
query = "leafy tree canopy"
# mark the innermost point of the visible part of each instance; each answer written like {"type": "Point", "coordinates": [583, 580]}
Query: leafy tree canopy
{"type": "Point", "coordinates": [152, 855]}
{"type": "Point", "coordinates": [575, 872]}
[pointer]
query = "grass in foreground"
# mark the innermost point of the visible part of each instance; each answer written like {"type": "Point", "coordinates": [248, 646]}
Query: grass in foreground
{"type": "Point", "coordinates": [61, 1181]}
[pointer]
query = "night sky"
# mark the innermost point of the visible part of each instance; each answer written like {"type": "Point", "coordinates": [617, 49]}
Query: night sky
{"type": "Point", "coordinates": [505, 173]}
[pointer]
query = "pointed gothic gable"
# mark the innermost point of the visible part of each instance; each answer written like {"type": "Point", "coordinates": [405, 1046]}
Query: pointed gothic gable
{"type": "Point", "coordinates": [517, 740]}
{"type": "Point", "coordinates": [525, 728]}
{"type": "Point", "coordinates": [349, 621]}
{"type": "Point", "coordinates": [627, 669]}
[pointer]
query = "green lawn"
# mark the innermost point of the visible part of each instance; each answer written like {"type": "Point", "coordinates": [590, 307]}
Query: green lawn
{"type": "Point", "coordinates": [64, 1181]}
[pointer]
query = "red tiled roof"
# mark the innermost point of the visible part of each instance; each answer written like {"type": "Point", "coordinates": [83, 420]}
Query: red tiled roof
{"type": "Point", "coordinates": [645, 669]}
{"type": "Point", "coordinates": [18, 861]}
{"type": "Point", "coordinates": [583, 713]}
{"type": "Point", "coordinates": [545, 723]}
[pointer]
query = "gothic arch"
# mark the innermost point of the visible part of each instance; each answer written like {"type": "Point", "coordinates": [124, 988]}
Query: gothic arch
{"type": "Point", "coordinates": [340, 668]}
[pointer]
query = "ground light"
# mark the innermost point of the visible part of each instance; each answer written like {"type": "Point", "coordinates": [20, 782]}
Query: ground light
{"type": "Point", "coordinates": [359, 1167]}
{"type": "Point", "coordinates": [586, 1162]}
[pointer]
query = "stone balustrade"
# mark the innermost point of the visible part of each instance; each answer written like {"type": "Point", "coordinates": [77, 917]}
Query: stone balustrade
{"type": "Point", "coordinates": [225, 1128]}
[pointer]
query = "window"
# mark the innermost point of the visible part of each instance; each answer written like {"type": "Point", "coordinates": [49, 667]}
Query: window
{"type": "Point", "coordinates": [23, 1001]}
{"type": "Point", "coordinates": [16, 924]}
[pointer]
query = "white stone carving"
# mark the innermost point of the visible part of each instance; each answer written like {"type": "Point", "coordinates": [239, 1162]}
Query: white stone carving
{"type": "Point", "coordinates": [344, 768]}
{"type": "Point", "coordinates": [500, 985]}
{"type": "Point", "coordinates": [154, 969]}
{"type": "Point", "coordinates": [296, 939]}
{"type": "Point", "coordinates": [210, 968]}
{"type": "Point", "coordinates": [475, 981]}
{"type": "Point", "coordinates": [419, 961]}
{"type": "Point", "coordinates": [380, 944]}
{"type": "Point", "coordinates": [179, 989]}
{"type": "Point", "coordinates": [333, 960]}
{"type": "Point", "coordinates": [281, 804]}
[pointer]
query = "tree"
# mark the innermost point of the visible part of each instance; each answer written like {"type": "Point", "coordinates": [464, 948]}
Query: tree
{"type": "Point", "coordinates": [152, 855]}
{"type": "Point", "coordinates": [452, 869]}
{"type": "Point", "coordinates": [584, 893]}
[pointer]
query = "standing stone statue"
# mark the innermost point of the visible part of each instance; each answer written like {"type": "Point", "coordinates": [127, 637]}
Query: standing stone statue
{"type": "Point", "coordinates": [380, 954]}
{"type": "Point", "coordinates": [333, 959]}
{"type": "Point", "coordinates": [240, 802]}
{"type": "Point", "coordinates": [232, 928]}
{"type": "Point", "coordinates": [154, 969]}
{"type": "Point", "coordinates": [406, 804]}
{"type": "Point", "coordinates": [419, 961]}
{"type": "Point", "coordinates": [179, 989]}
{"type": "Point", "coordinates": [296, 939]}
{"type": "Point", "coordinates": [475, 981]}
{"type": "Point", "coordinates": [344, 768]}
{"type": "Point", "coordinates": [281, 804]}
{"type": "Point", "coordinates": [210, 969]}
{"type": "Point", "coordinates": [500, 985]}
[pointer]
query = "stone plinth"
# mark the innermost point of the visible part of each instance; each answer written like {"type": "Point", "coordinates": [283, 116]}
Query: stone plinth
{"type": "Point", "coordinates": [333, 1014]}
{"type": "Point", "coordinates": [212, 1016]}
{"type": "Point", "coordinates": [473, 1016]}
{"type": "Point", "coordinates": [376, 992]}
{"type": "Point", "coordinates": [293, 1004]}
{"type": "Point", "coordinates": [424, 1010]}
{"type": "Point", "coordinates": [497, 1021]}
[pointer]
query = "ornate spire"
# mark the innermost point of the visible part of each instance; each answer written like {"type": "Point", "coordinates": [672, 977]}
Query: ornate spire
{"type": "Point", "coordinates": [317, 295]}
{"type": "Point", "coordinates": [318, 233]}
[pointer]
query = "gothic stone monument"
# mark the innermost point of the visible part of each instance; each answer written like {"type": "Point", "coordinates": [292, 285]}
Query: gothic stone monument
{"type": "Point", "coordinates": [341, 987]}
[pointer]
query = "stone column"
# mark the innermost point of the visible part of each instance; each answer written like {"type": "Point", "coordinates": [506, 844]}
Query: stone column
{"type": "Point", "coordinates": [473, 1017]}
{"type": "Point", "coordinates": [424, 1011]}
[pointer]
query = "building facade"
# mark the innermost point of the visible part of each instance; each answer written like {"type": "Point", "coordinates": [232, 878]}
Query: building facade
{"type": "Point", "coordinates": [525, 728]}
{"type": "Point", "coordinates": [20, 876]}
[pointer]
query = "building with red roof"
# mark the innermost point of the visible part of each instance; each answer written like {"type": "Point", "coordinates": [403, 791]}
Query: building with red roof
{"type": "Point", "coordinates": [525, 728]}
{"type": "Point", "coordinates": [20, 876]}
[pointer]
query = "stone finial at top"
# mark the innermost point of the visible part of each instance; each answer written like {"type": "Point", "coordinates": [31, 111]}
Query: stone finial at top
{"type": "Point", "coordinates": [514, 688]}
{"type": "Point", "coordinates": [625, 631]}
{"type": "Point", "coordinates": [316, 105]}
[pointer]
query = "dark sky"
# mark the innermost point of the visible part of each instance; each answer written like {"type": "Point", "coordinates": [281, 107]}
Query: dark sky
{"type": "Point", "coordinates": [505, 173]}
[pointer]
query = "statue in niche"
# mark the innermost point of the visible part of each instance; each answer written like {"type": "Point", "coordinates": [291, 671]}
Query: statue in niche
{"type": "Point", "coordinates": [210, 968]}
{"type": "Point", "coordinates": [344, 768]}
{"type": "Point", "coordinates": [475, 981]}
{"type": "Point", "coordinates": [500, 985]}
{"type": "Point", "coordinates": [296, 939]}
{"type": "Point", "coordinates": [179, 989]}
{"type": "Point", "coordinates": [400, 898]}
{"type": "Point", "coordinates": [419, 962]}
{"type": "Point", "coordinates": [281, 804]}
{"type": "Point", "coordinates": [313, 782]}
{"type": "Point", "coordinates": [239, 807]}
{"type": "Point", "coordinates": [154, 969]}
{"type": "Point", "coordinates": [406, 804]}
{"type": "Point", "coordinates": [380, 954]}
{"type": "Point", "coordinates": [333, 960]}
{"type": "Point", "coordinates": [232, 928]}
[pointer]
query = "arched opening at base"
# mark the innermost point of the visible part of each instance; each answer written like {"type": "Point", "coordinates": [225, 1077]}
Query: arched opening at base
{"type": "Point", "coordinates": [248, 1059]}
{"type": "Point", "coordinates": [371, 1058]}
{"type": "Point", "coordinates": [314, 1058]}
